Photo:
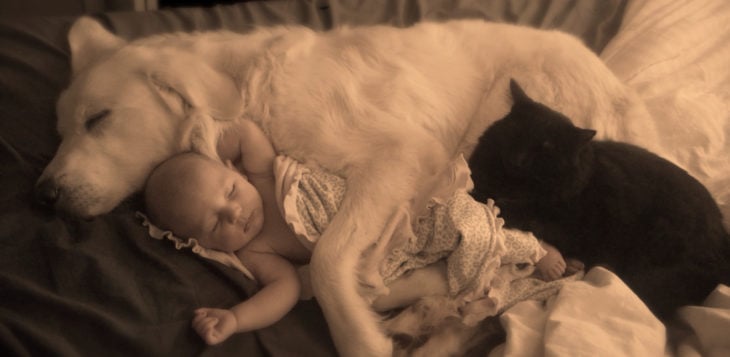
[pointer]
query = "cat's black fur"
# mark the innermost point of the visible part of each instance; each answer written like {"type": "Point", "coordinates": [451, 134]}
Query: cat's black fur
{"type": "Point", "coordinates": [605, 203]}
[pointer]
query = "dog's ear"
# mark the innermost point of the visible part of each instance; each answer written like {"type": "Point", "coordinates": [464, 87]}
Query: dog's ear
{"type": "Point", "coordinates": [200, 96]}
{"type": "Point", "coordinates": [88, 41]}
{"type": "Point", "coordinates": [173, 99]}
{"type": "Point", "coordinates": [198, 133]}
{"type": "Point", "coordinates": [193, 86]}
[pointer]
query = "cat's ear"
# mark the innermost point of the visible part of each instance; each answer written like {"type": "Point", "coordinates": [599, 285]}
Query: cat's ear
{"type": "Point", "coordinates": [583, 136]}
{"type": "Point", "coordinates": [518, 95]}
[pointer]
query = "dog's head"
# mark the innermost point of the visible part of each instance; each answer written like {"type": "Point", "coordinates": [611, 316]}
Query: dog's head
{"type": "Point", "coordinates": [129, 107]}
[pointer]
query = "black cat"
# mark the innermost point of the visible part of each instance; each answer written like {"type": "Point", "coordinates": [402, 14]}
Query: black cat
{"type": "Point", "coordinates": [605, 203]}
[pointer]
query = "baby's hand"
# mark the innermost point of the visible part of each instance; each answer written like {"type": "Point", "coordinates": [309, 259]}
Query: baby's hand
{"type": "Point", "coordinates": [229, 145]}
{"type": "Point", "coordinates": [552, 265]}
{"type": "Point", "coordinates": [214, 325]}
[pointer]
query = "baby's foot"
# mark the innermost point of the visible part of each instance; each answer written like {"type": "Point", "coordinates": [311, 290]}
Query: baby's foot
{"type": "Point", "coordinates": [574, 266]}
{"type": "Point", "coordinates": [552, 266]}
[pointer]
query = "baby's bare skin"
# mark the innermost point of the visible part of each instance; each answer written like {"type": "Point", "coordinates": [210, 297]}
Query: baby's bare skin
{"type": "Point", "coordinates": [553, 266]}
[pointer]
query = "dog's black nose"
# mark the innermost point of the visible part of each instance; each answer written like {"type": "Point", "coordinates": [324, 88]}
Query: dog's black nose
{"type": "Point", "coordinates": [47, 192]}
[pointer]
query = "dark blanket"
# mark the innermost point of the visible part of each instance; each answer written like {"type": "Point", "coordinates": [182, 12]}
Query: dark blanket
{"type": "Point", "coordinates": [103, 287]}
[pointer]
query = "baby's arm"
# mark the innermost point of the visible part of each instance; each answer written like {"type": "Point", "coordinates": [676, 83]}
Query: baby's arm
{"type": "Point", "coordinates": [246, 144]}
{"type": "Point", "coordinates": [278, 295]}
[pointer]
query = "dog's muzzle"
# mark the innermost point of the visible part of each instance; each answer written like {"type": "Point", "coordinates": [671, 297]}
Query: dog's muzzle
{"type": "Point", "coordinates": [47, 192]}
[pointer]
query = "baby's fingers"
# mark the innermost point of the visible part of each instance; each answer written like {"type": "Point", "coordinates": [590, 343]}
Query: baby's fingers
{"type": "Point", "coordinates": [207, 331]}
{"type": "Point", "coordinates": [203, 311]}
{"type": "Point", "coordinates": [202, 322]}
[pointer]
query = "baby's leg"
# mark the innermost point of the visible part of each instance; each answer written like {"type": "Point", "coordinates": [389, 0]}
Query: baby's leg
{"type": "Point", "coordinates": [406, 290]}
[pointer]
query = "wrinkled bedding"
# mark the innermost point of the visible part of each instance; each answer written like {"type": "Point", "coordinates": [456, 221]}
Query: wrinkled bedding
{"type": "Point", "coordinates": [601, 316]}
{"type": "Point", "coordinates": [72, 287]}
{"type": "Point", "coordinates": [598, 316]}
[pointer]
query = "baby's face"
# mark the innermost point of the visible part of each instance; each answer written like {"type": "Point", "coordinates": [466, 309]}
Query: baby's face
{"type": "Point", "coordinates": [219, 207]}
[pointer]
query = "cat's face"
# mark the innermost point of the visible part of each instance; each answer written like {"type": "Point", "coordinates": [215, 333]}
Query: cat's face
{"type": "Point", "coordinates": [532, 150]}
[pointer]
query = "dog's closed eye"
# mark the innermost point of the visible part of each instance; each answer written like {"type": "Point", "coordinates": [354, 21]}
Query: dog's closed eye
{"type": "Point", "coordinates": [93, 120]}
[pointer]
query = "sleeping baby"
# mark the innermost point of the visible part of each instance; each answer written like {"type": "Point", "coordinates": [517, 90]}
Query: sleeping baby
{"type": "Point", "coordinates": [263, 214]}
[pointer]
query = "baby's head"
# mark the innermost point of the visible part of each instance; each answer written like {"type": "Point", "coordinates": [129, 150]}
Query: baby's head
{"type": "Point", "coordinates": [196, 197]}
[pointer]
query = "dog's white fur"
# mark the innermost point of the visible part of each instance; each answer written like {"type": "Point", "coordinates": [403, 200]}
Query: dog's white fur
{"type": "Point", "coordinates": [385, 107]}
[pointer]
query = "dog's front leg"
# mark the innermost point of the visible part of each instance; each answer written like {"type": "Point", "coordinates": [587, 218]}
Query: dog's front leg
{"type": "Point", "coordinates": [373, 196]}
{"type": "Point", "coordinates": [353, 325]}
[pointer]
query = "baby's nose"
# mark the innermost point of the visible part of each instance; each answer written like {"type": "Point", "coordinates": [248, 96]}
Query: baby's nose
{"type": "Point", "coordinates": [232, 212]}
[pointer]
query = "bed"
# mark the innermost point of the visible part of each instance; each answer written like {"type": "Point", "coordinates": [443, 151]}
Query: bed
{"type": "Point", "coordinates": [74, 287]}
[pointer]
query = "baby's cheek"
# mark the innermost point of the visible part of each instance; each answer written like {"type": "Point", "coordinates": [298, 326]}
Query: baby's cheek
{"type": "Point", "coordinates": [206, 242]}
{"type": "Point", "coordinates": [233, 240]}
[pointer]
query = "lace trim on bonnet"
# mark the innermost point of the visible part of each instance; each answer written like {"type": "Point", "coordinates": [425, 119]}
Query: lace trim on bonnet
{"type": "Point", "coordinates": [227, 259]}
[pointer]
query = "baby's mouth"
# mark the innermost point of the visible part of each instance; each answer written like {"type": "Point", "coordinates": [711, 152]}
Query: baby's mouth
{"type": "Point", "coordinates": [247, 225]}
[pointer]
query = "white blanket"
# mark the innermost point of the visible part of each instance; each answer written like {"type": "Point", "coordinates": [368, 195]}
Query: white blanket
{"type": "Point", "coordinates": [710, 325]}
{"type": "Point", "coordinates": [601, 316]}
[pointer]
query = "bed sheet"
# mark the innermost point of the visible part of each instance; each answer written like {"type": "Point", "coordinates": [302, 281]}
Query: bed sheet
{"type": "Point", "coordinates": [601, 316]}
{"type": "Point", "coordinates": [597, 316]}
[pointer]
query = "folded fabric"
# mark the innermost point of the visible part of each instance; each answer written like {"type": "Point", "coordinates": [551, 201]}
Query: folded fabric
{"type": "Point", "coordinates": [596, 316]}
{"type": "Point", "coordinates": [225, 258]}
{"type": "Point", "coordinates": [710, 324]}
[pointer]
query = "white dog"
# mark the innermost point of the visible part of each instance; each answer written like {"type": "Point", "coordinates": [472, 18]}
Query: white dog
{"type": "Point", "coordinates": [385, 107]}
